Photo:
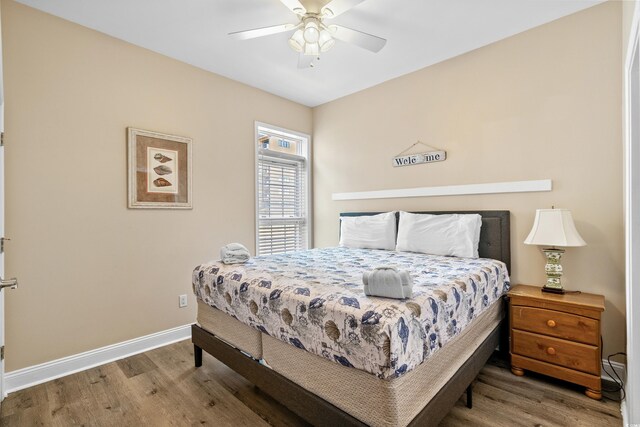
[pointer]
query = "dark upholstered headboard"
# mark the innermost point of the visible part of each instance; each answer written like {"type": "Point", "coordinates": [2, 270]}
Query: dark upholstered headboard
{"type": "Point", "coordinates": [495, 234]}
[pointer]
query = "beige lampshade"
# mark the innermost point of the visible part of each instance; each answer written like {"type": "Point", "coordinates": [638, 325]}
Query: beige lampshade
{"type": "Point", "coordinates": [554, 227]}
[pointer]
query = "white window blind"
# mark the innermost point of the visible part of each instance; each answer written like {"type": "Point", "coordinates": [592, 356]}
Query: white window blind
{"type": "Point", "coordinates": [282, 212]}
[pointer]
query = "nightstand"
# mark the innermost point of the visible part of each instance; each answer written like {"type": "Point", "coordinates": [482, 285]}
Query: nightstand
{"type": "Point", "coordinates": [556, 335]}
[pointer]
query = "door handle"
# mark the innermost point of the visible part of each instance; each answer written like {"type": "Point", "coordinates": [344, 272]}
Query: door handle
{"type": "Point", "coordinates": [8, 283]}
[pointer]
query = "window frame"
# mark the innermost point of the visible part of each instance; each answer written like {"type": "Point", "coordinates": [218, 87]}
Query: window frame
{"type": "Point", "coordinates": [305, 151]}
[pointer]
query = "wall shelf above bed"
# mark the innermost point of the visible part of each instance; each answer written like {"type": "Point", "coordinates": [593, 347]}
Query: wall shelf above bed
{"type": "Point", "coordinates": [450, 190]}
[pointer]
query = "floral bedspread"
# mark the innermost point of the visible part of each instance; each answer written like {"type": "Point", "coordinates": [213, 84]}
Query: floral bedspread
{"type": "Point", "coordinates": [315, 301]}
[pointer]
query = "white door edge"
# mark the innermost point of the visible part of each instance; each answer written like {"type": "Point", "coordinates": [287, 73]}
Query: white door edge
{"type": "Point", "coordinates": [2, 273]}
{"type": "Point", "coordinates": [631, 412]}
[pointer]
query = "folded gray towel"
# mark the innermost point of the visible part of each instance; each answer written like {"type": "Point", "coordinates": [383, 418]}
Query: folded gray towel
{"type": "Point", "coordinates": [387, 282]}
{"type": "Point", "coordinates": [234, 253]}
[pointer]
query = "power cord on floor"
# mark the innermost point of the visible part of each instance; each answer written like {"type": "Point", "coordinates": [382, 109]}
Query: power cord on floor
{"type": "Point", "coordinates": [615, 378]}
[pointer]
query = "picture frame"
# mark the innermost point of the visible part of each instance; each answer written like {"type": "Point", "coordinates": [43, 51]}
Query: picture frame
{"type": "Point", "coordinates": [159, 168]}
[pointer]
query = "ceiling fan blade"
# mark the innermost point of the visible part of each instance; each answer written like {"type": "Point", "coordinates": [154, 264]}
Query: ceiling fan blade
{"type": "Point", "coordinates": [363, 40]}
{"type": "Point", "coordinates": [306, 61]}
{"type": "Point", "coordinates": [295, 6]}
{"type": "Point", "coordinates": [261, 32]}
{"type": "Point", "coordinates": [336, 7]}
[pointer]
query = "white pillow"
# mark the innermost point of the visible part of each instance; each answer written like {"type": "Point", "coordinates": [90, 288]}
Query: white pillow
{"type": "Point", "coordinates": [447, 234]}
{"type": "Point", "coordinates": [369, 232]}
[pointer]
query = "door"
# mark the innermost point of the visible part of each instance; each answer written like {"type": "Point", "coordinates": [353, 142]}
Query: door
{"type": "Point", "coordinates": [11, 283]}
{"type": "Point", "coordinates": [1, 240]}
{"type": "Point", "coordinates": [1, 223]}
{"type": "Point", "coordinates": [631, 410]}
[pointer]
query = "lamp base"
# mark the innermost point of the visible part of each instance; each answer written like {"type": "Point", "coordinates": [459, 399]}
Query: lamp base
{"type": "Point", "coordinates": [553, 268]}
{"type": "Point", "coordinates": [553, 290]}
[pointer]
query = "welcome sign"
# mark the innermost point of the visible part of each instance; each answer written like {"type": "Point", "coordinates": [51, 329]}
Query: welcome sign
{"type": "Point", "coordinates": [416, 159]}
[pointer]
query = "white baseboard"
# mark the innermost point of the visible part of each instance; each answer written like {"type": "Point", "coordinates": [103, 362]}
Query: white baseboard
{"type": "Point", "coordinates": [33, 375]}
{"type": "Point", "coordinates": [619, 368]}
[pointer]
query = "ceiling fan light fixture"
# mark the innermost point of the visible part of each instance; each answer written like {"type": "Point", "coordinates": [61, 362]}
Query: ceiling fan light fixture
{"type": "Point", "coordinates": [312, 49]}
{"type": "Point", "coordinates": [311, 31]}
{"type": "Point", "coordinates": [311, 35]}
{"type": "Point", "coordinates": [325, 41]}
{"type": "Point", "coordinates": [297, 41]}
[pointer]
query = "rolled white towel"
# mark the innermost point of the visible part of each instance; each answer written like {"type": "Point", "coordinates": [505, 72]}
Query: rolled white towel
{"type": "Point", "coordinates": [387, 282]}
{"type": "Point", "coordinates": [234, 253]}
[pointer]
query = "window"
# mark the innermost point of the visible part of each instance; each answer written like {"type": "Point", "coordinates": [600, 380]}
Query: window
{"type": "Point", "coordinates": [282, 190]}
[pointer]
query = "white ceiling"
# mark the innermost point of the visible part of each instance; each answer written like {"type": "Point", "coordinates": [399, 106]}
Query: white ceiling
{"type": "Point", "coordinates": [419, 33]}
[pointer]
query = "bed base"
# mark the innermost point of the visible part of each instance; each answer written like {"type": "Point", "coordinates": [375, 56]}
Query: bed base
{"type": "Point", "coordinates": [494, 243]}
{"type": "Point", "coordinates": [318, 411]}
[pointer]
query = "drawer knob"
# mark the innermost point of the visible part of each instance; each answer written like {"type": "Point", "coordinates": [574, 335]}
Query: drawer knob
{"type": "Point", "coordinates": [551, 323]}
{"type": "Point", "coordinates": [551, 351]}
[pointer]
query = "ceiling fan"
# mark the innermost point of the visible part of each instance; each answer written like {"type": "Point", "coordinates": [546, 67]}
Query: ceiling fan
{"type": "Point", "coordinates": [311, 34]}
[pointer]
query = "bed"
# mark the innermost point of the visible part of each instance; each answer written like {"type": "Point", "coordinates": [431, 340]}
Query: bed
{"type": "Point", "coordinates": [300, 328]}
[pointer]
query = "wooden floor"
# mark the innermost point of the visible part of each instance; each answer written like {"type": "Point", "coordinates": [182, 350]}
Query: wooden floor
{"type": "Point", "coordinates": [162, 388]}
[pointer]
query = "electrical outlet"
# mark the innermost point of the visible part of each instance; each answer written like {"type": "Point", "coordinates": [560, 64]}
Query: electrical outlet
{"type": "Point", "coordinates": [183, 301]}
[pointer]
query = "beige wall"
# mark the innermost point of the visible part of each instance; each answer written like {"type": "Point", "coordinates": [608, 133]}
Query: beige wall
{"type": "Point", "coordinates": [91, 271]}
{"type": "Point", "coordinates": [94, 273]}
{"type": "Point", "coordinates": [542, 104]}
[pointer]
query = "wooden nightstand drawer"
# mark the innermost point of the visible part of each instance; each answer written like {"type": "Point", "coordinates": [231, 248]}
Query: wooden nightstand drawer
{"type": "Point", "coordinates": [557, 324]}
{"type": "Point", "coordinates": [560, 352]}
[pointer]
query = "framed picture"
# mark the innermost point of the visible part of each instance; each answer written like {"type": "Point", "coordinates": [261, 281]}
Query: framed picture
{"type": "Point", "coordinates": [159, 170]}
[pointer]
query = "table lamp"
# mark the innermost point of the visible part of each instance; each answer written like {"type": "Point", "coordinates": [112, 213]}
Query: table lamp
{"type": "Point", "coordinates": [554, 227]}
